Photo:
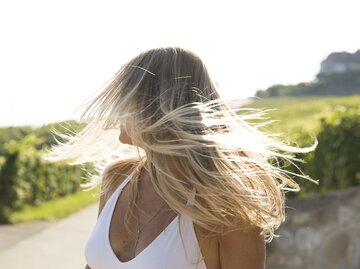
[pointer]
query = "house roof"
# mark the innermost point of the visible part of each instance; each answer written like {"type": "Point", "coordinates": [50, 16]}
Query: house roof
{"type": "Point", "coordinates": [343, 57]}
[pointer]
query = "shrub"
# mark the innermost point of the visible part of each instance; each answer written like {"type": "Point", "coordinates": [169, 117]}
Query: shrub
{"type": "Point", "coordinates": [25, 178]}
{"type": "Point", "coordinates": [336, 160]}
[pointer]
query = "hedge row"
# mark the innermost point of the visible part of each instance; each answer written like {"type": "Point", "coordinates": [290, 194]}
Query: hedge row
{"type": "Point", "coordinates": [25, 178]}
{"type": "Point", "coordinates": [336, 160]}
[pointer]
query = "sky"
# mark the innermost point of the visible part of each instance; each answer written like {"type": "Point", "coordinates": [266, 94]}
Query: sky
{"type": "Point", "coordinates": [56, 54]}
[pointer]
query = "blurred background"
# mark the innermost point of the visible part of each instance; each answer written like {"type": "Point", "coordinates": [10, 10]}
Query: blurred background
{"type": "Point", "coordinates": [299, 59]}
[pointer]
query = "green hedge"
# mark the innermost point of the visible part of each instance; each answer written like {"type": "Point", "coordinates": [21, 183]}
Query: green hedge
{"type": "Point", "coordinates": [25, 178]}
{"type": "Point", "coordinates": [336, 160]}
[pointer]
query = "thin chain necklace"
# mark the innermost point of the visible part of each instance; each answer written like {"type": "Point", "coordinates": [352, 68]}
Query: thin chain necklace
{"type": "Point", "coordinates": [139, 229]}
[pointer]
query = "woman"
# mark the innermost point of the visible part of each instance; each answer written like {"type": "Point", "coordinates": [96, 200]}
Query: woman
{"type": "Point", "coordinates": [190, 183]}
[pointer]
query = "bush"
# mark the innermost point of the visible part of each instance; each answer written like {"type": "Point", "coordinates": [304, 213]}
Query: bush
{"type": "Point", "coordinates": [336, 160]}
{"type": "Point", "coordinates": [25, 178]}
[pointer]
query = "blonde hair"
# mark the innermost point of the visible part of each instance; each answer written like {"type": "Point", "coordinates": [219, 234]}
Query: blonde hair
{"type": "Point", "coordinates": [185, 135]}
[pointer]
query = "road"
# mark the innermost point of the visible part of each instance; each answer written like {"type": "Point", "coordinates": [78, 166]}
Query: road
{"type": "Point", "coordinates": [56, 244]}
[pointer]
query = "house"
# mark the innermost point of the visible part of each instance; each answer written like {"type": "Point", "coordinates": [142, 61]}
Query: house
{"type": "Point", "coordinates": [340, 62]}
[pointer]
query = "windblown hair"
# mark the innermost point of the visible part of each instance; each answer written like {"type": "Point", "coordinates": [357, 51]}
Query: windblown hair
{"type": "Point", "coordinates": [185, 135]}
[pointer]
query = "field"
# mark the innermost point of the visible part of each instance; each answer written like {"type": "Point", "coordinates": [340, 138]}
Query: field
{"type": "Point", "coordinates": [298, 116]}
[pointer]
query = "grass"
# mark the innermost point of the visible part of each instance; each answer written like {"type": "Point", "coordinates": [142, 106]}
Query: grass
{"type": "Point", "coordinates": [57, 208]}
{"type": "Point", "coordinates": [296, 116]}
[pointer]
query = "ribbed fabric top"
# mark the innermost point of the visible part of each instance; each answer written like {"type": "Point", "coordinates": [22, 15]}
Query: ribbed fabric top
{"type": "Point", "coordinates": [169, 250]}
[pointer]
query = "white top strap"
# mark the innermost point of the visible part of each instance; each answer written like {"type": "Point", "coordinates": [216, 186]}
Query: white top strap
{"type": "Point", "coordinates": [122, 185]}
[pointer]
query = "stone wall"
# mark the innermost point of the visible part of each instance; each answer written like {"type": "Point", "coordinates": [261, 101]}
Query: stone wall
{"type": "Point", "coordinates": [319, 232]}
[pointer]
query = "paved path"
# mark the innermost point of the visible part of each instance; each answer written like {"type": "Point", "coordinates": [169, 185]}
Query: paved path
{"type": "Point", "coordinates": [53, 245]}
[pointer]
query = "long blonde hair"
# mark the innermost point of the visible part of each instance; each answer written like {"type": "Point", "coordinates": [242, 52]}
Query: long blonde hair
{"type": "Point", "coordinates": [185, 135]}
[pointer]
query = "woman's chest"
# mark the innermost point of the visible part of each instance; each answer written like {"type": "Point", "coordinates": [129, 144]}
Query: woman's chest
{"type": "Point", "coordinates": [134, 235]}
{"type": "Point", "coordinates": [130, 237]}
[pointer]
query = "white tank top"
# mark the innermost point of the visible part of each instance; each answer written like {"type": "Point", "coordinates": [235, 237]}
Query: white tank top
{"type": "Point", "coordinates": [167, 250]}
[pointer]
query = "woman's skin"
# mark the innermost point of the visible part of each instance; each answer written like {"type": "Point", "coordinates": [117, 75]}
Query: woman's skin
{"type": "Point", "coordinates": [234, 250]}
{"type": "Point", "coordinates": [124, 137]}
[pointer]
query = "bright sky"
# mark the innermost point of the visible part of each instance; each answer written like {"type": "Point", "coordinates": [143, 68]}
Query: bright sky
{"type": "Point", "coordinates": [55, 54]}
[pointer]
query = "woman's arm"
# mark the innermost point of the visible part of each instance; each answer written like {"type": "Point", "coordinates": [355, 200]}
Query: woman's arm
{"type": "Point", "coordinates": [239, 249]}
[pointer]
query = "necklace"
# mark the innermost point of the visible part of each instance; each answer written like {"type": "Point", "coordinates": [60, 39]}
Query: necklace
{"type": "Point", "coordinates": [141, 228]}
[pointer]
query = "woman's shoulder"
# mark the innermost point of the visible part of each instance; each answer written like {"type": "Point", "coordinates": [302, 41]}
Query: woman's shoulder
{"type": "Point", "coordinates": [107, 189]}
{"type": "Point", "coordinates": [113, 175]}
{"type": "Point", "coordinates": [242, 248]}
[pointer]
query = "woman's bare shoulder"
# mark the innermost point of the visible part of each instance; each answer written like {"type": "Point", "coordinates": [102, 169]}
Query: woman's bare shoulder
{"type": "Point", "coordinates": [236, 249]}
{"type": "Point", "coordinates": [112, 177]}
{"type": "Point", "coordinates": [242, 249]}
{"type": "Point", "coordinates": [107, 191]}
{"type": "Point", "coordinates": [209, 246]}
